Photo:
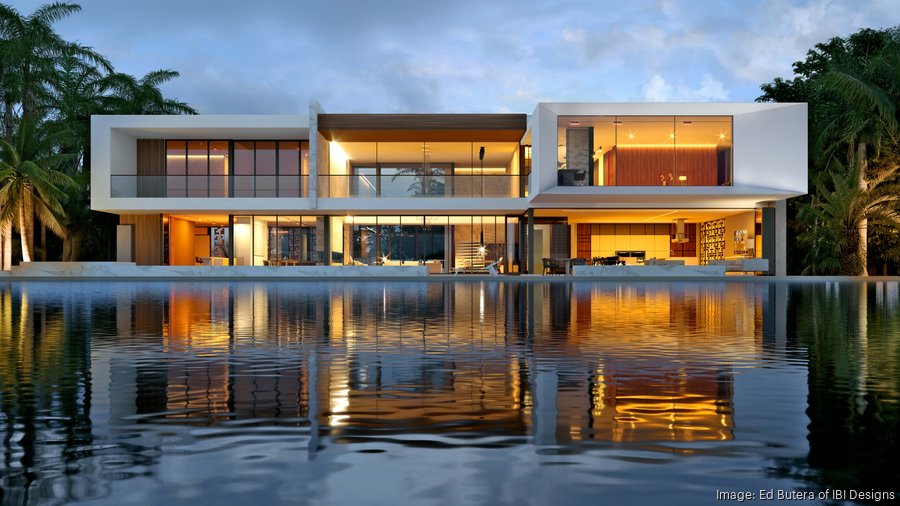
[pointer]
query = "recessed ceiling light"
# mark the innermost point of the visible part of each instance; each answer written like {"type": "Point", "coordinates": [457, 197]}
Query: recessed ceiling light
{"type": "Point", "coordinates": [687, 123]}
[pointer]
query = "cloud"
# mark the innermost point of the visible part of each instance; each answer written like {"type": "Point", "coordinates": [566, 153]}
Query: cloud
{"type": "Point", "coordinates": [462, 56]}
{"type": "Point", "coordinates": [657, 89]}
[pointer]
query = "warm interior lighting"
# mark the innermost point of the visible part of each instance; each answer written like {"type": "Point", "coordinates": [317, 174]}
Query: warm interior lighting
{"type": "Point", "coordinates": [722, 135]}
{"type": "Point", "coordinates": [474, 170]}
{"type": "Point", "coordinates": [672, 136]}
{"type": "Point", "coordinates": [197, 156]}
{"type": "Point", "coordinates": [384, 259]}
{"type": "Point", "coordinates": [528, 152]}
{"type": "Point", "coordinates": [631, 135]}
{"type": "Point", "coordinates": [682, 178]}
{"type": "Point", "coordinates": [574, 123]}
{"type": "Point", "coordinates": [623, 146]}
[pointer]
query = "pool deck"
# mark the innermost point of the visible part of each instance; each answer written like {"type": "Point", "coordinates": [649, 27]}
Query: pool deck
{"type": "Point", "coordinates": [121, 271]}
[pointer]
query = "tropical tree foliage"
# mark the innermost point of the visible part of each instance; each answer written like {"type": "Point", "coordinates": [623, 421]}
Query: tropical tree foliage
{"type": "Point", "coordinates": [31, 184]}
{"type": "Point", "coordinates": [49, 88]}
{"type": "Point", "coordinates": [852, 86]}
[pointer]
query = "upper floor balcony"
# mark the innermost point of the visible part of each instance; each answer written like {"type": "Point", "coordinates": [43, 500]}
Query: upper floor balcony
{"type": "Point", "coordinates": [422, 156]}
{"type": "Point", "coordinates": [216, 169]}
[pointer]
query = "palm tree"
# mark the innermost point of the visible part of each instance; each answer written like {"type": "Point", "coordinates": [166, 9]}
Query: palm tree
{"type": "Point", "coordinates": [834, 218]}
{"type": "Point", "coordinates": [30, 51]}
{"type": "Point", "coordinates": [860, 120]}
{"type": "Point", "coordinates": [30, 183]}
{"type": "Point", "coordinates": [143, 96]}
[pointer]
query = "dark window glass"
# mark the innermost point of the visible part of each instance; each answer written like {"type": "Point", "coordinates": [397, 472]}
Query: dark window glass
{"type": "Point", "coordinates": [175, 186]}
{"type": "Point", "coordinates": [265, 158]}
{"type": "Point", "coordinates": [288, 158]}
{"type": "Point", "coordinates": [243, 186]}
{"type": "Point", "coordinates": [304, 163]}
{"type": "Point", "coordinates": [198, 186]}
{"type": "Point", "coordinates": [218, 157]}
{"type": "Point", "coordinates": [265, 186]}
{"type": "Point", "coordinates": [175, 157]}
{"type": "Point", "coordinates": [289, 186]}
{"type": "Point", "coordinates": [198, 158]}
{"type": "Point", "coordinates": [218, 186]}
{"type": "Point", "coordinates": [218, 168]}
{"type": "Point", "coordinates": [243, 158]}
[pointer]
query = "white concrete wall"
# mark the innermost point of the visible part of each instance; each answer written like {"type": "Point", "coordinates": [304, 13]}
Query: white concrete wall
{"type": "Point", "coordinates": [114, 151]}
{"type": "Point", "coordinates": [770, 148]}
{"type": "Point", "coordinates": [769, 158]}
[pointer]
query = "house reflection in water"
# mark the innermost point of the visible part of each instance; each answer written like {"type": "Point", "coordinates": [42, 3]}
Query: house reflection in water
{"type": "Point", "coordinates": [556, 362]}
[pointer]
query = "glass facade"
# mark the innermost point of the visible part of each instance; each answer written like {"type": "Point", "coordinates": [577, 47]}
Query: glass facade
{"type": "Point", "coordinates": [420, 169]}
{"type": "Point", "coordinates": [270, 240]}
{"type": "Point", "coordinates": [644, 151]}
{"type": "Point", "coordinates": [447, 242]}
{"type": "Point", "coordinates": [200, 168]}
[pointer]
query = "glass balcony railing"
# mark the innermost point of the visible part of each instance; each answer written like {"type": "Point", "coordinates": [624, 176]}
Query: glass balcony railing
{"type": "Point", "coordinates": [420, 186]}
{"type": "Point", "coordinates": [208, 186]}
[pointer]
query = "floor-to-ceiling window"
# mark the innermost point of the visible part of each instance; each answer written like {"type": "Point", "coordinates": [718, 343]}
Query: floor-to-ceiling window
{"type": "Point", "coordinates": [644, 150]}
{"type": "Point", "coordinates": [455, 242]}
{"type": "Point", "coordinates": [279, 240]}
{"type": "Point", "coordinates": [201, 168]}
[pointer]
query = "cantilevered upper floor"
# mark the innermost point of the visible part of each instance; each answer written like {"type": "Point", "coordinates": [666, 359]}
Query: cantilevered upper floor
{"type": "Point", "coordinates": [332, 163]}
{"type": "Point", "coordinates": [565, 155]}
{"type": "Point", "coordinates": [643, 155]}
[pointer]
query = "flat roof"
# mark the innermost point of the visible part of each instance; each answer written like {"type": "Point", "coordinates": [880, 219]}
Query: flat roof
{"type": "Point", "coordinates": [423, 127]}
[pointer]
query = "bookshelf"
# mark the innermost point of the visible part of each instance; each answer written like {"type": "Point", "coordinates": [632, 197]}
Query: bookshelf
{"type": "Point", "coordinates": [712, 241]}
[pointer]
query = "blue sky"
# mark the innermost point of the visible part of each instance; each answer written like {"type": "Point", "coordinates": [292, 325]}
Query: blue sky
{"type": "Point", "coordinates": [265, 57]}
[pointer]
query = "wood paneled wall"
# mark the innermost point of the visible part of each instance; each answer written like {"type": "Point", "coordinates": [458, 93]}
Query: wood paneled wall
{"type": "Point", "coordinates": [151, 157]}
{"type": "Point", "coordinates": [147, 237]}
{"type": "Point", "coordinates": [651, 166]}
{"type": "Point", "coordinates": [151, 161]}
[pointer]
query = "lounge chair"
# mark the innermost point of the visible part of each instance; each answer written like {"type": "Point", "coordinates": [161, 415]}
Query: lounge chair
{"type": "Point", "coordinates": [492, 267]}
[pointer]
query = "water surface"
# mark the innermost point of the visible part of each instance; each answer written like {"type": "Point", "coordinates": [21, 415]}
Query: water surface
{"type": "Point", "coordinates": [445, 393]}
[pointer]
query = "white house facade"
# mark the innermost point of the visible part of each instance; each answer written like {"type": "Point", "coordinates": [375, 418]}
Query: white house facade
{"type": "Point", "coordinates": [595, 183]}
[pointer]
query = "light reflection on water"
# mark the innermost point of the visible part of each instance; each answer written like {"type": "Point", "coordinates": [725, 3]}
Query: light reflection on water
{"type": "Point", "coordinates": [430, 392]}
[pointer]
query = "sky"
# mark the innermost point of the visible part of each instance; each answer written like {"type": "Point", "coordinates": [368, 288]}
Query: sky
{"type": "Point", "coordinates": [270, 57]}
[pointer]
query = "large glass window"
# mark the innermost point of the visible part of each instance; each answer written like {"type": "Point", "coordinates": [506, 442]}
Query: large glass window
{"type": "Point", "coordinates": [176, 168]}
{"type": "Point", "coordinates": [199, 168]}
{"type": "Point", "coordinates": [445, 242]}
{"type": "Point", "coordinates": [644, 150]}
{"type": "Point", "coordinates": [279, 240]}
{"type": "Point", "coordinates": [288, 169]}
{"type": "Point", "coordinates": [218, 169]}
{"type": "Point", "coordinates": [422, 169]}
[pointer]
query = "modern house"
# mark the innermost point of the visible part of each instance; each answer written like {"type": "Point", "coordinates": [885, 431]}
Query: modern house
{"type": "Point", "coordinates": [611, 183]}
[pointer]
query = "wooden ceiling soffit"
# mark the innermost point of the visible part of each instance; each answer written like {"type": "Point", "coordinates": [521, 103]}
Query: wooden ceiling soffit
{"type": "Point", "coordinates": [422, 127]}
